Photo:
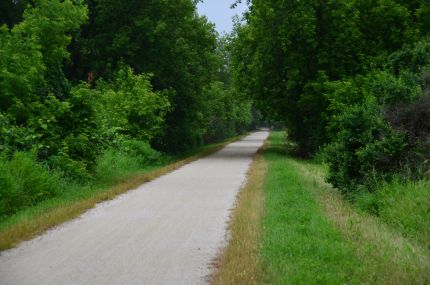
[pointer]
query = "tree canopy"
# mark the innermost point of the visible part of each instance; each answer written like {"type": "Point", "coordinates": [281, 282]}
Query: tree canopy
{"type": "Point", "coordinates": [86, 81]}
{"type": "Point", "coordinates": [334, 72]}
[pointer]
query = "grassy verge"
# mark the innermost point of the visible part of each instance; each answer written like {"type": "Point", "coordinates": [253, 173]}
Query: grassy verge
{"type": "Point", "coordinates": [402, 205]}
{"type": "Point", "coordinates": [35, 220]}
{"type": "Point", "coordinates": [312, 236]}
{"type": "Point", "coordinates": [299, 245]}
{"type": "Point", "coordinates": [238, 263]}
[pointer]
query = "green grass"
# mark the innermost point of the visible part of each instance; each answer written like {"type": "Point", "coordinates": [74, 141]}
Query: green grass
{"type": "Point", "coordinates": [299, 245]}
{"type": "Point", "coordinates": [311, 235]}
{"type": "Point", "coordinates": [404, 206]}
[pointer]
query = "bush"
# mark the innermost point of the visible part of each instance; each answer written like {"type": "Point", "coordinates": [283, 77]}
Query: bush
{"type": "Point", "coordinates": [70, 169]}
{"type": "Point", "coordinates": [413, 120]}
{"type": "Point", "coordinates": [362, 145]}
{"type": "Point", "coordinates": [129, 105]}
{"type": "Point", "coordinates": [141, 151]}
{"type": "Point", "coordinates": [112, 165]}
{"type": "Point", "coordinates": [130, 156]}
{"type": "Point", "coordinates": [369, 149]}
{"type": "Point", "coordinates": [379, 128]}
{"type": "Point", "coordinates": [24, 182]}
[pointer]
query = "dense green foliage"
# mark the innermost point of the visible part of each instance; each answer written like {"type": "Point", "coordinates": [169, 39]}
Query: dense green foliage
{"type": "Point", "coordinates": [92, 86]}
{"type": "Point", "coordinates": [86, 85]}
{"type": "Point", "coordinates": [349, 77]}
{"type": "Point", "coordinates": [130, 156]}
{"type": "Point", "coordinates": [380, 124]}
{"type": "Point", "coordinates": [168, 40]}
{"type": "Point", "coordinates": [23, 182]}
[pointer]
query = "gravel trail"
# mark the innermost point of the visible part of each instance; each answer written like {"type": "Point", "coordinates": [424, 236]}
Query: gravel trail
{"type": "Point", "coordinates": [165, 232]}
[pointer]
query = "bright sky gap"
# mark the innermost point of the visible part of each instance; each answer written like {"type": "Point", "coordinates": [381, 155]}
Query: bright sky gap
{"type": "Point", "coordinates": [220, 13]}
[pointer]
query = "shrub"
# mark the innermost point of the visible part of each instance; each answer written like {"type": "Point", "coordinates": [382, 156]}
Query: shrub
{"type": "Point", "coordinates": [370, 148]}
{"type": "Point", "coordinates": [141, 151]}
{"type": "Point", "coordinates": [129, 105]}
{"type": "Point", "coordinates": [70, 169]}
{"type": "Point", "coordinates": [112, 165]}
{"type": "Point", "coordinates": [130, 156]}
{"type": "Point", "coordinates": [365, 146]}
{"type": "Point", "coordinates": [24, 182]}
{"type": "Point", "coordinates": [379, 128]}
{"type": "Point", "coordinates": [413, 120]}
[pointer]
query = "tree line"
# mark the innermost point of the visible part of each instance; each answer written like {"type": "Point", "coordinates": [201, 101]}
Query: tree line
{"type": "Point", "coordinates": [349, 79]}
{"type": "Point", "coordinates": [85, 83]}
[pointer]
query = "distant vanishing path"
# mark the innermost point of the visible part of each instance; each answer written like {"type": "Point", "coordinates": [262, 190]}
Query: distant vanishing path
{"type": "Point", "coordinates": [166, 232]}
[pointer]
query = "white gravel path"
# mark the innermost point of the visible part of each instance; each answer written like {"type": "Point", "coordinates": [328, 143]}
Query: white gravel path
{"type": "Point", "coordinates": [165, 232]}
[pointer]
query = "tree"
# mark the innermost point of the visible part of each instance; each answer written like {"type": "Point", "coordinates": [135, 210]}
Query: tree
{"type": "Point", "coordinates": [165, 38]}
{"type": "Point", "coordinates": [288, 50]}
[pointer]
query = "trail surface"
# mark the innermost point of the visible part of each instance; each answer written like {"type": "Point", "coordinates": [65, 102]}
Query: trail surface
{"type": "Point", "coordinates": [165, 232]}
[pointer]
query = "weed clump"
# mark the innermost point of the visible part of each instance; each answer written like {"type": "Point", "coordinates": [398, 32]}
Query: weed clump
{"type": "Point", "coordinates": [24, 182]}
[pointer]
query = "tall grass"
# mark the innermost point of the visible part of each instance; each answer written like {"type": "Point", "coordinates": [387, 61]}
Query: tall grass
{"type": "Point", "coordinates": [403, 205]}
{"type": "Point", "coordinates": [24, 183]}
{"type": "Point", "coordinates": [130, 157]}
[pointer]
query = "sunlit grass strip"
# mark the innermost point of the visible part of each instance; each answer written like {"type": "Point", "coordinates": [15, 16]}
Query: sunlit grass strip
{"type": "Point", "coordinates": [239, 262]}
{"type": "Point", "coordinates": [59, 210]}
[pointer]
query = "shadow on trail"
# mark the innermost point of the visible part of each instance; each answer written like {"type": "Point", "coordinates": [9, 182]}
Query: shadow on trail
{"type": "Point", "coordinates": [245, 140]}
{"type": "Point", "coordinates": [234, 152]}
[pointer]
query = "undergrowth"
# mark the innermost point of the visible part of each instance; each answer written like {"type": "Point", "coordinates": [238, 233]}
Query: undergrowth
{"type": "Point", "coordinates": [117, 171]}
